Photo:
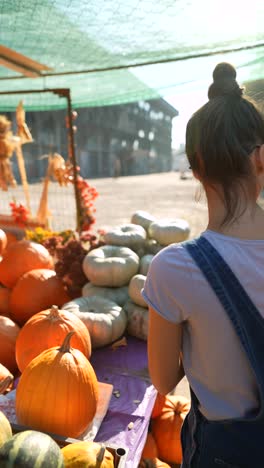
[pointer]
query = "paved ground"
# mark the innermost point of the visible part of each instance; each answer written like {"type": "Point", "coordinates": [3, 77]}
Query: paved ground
{"type": "Point", "coordinates": [163, 195]}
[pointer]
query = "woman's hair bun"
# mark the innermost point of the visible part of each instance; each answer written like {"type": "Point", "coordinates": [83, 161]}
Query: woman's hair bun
{"type": "Point", "coordinates": [224, 84]}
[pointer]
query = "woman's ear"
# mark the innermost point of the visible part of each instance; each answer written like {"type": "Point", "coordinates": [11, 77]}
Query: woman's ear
{"type": "Point", "coordinates": [258, 159]}
{"type": "Point", "coordinates": [261, 156]}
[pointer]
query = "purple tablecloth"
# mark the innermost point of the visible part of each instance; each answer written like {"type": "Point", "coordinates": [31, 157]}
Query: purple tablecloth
{"type": "Point", "coordinates": [126, 369]}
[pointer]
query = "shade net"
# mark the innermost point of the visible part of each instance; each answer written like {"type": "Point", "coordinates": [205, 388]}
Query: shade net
{"type": "Point", "coordinates": [111, 52]}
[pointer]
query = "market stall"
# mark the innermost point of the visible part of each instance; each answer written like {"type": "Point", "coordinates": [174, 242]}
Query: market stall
{"type": "Point", "coordinates": [58, 55]}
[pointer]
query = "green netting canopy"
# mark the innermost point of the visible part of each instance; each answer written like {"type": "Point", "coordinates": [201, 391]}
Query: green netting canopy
{"type": "Point", "coordinates": [116, 51]}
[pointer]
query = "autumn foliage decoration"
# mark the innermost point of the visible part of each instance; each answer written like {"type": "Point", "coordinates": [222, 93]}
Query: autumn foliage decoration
{"type": "Point", "coordinates": [87, 195]}
{"type": "Point", "coordinates": [20, 213]}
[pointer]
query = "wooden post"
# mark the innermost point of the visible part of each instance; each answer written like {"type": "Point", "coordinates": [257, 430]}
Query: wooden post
{"type": "Point", "coordinates": [23, 175]}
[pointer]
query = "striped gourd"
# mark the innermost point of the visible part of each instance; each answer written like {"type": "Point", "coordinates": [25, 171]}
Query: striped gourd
{"type": "Point", "coordinates": [31, 449]}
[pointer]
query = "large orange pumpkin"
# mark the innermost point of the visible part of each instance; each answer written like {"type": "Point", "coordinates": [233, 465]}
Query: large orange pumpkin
{"type": "Point", "coordinates": [11, 238]}
{"type": "Point", "coordinates": [87, 454]}
{"type": "Point", "coordinates": [35, 291]}
{"type": "Point", "coordinates": [8, 335]}
{"type": "Point", "coordinates": [58, 392]}
{"type": "Point", "coordinates": [3, 241]}
{"type": "Point", "coordinates": [21, 257]}
{"type": "Point", "coordinates": [4, 301]}
{"type": "Point", "coordinates": [166, 428]}
{"type": "Point", "coordinates": [150, 449]}
{"type": "Point", "coordinates": [47, 329]}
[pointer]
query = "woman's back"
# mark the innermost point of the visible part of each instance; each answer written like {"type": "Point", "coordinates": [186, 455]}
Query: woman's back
{"type": "Point", "coordinates": [215, 363]}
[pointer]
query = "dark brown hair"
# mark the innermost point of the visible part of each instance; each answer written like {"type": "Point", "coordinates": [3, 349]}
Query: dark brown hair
{"type": "Point", "coordinates": [221, 135]}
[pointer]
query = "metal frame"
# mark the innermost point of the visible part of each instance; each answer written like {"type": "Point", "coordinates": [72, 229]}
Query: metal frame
{"type": "Point", "coordinates": [65, 93]}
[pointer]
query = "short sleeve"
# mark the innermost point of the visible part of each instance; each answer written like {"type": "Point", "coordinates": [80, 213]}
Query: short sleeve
{"type": "Point", "coordinates": [167, 286]}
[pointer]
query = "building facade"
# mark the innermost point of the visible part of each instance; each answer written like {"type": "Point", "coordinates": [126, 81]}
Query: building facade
{"type": "Point", "coordinates": [125, 139]}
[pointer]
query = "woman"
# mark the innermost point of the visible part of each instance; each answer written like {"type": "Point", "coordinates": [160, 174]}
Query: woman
{"type": "Point", "coordinates": [207, 310]}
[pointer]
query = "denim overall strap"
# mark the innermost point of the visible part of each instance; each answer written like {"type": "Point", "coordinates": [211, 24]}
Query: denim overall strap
{"type": "Point", "coordinates": [230, 443]}
{"type": "Point", "coordinates": [246, 319]}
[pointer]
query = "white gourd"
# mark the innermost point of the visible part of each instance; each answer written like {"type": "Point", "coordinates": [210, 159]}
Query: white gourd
{"type": "Point", "coordinates": [167, 232]}
{"type": "Point", "coordinates": [152, 247]}
{"type": "Point", "coordinates": [137, 316]}
{"type": "Point", "coordinates": [135, 286]}
{"type": "Point", "coordinates": [118, 295]}
{"type": "Point", "coordinates": [144, 264]}
{"type": "Point", "coordinates": [110, 265]}
{"type": "Point", "coordinates": [127, 235]}
{"type": "Point", "coordinates": [105, 320]}
{"type": "Point", "coordinates": [143, 218]}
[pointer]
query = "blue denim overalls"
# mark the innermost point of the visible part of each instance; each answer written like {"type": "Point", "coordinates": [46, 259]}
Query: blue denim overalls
{"type": "Point", "coordinates": [233, 443]}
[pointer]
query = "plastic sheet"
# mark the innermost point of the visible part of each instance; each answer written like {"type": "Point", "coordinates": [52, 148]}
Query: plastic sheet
{"type": "Point", "coordinates": [127, 419]}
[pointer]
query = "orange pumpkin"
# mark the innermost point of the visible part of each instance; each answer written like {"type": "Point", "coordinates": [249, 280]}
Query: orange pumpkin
{"type": "Point", "coordinates": [11, 238]}
{"type": "Point", "coordinates": [6, 379]}
{"type": "Point", "coordinates": [58, 392]}
{"type": "Point", "coordinates": [35, 291]}
{"type": "Point", "coordinates": [21, 257]}
{"type": "Point", "coordinates": [4, 301]}
{"type": "Point", "coordinates": [158, 405]}
{"type": "Point", "coordinates": [8, 335]}
{"type": "Point", "coordinates": [47, 329]}
{"type": "Point", "coordinates": [3, 241]}
{"type": "Point", "coordinates": [152, 463]}
{"type": "Point", "coordinates": [87, 454]}
{"type": "Point", "coordinates": [166, 428]}
{"type": "Point", "coordinates": [150, 449]}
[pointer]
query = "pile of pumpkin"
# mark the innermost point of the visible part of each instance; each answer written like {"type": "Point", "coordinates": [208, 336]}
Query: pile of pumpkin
{"type": "Point", "coordinates": [34, 334]}
{"type": "Point", "coordinates": [116, 273]}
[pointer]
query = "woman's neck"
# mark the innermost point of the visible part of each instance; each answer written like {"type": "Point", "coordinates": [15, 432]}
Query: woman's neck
{"type": "Point", "coordinates": [250, 225]}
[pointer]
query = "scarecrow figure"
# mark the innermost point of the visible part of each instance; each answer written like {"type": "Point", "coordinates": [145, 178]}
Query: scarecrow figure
{"type": "Point", "coordinates": [22, 129]}
{"type": "Point", "coordinates": [8, 143]}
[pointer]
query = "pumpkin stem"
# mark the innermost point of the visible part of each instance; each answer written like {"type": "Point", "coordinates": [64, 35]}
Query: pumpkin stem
{"type": "Point", "coordinates": [65, 347]}
{"type": "Point", "coordinates": [5, 384]}
{"type": "Point", "coordinates": [53, 315]}
{"type": "Point", "coordinates": [100, 456]}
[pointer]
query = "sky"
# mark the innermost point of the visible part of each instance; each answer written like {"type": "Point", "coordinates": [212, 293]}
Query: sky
{"type": "Point", "coordinates": [186, 105]}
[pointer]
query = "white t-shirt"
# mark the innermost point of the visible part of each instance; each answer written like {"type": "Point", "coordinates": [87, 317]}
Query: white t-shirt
{"type": "Point", "coordinates": [215, 363]}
